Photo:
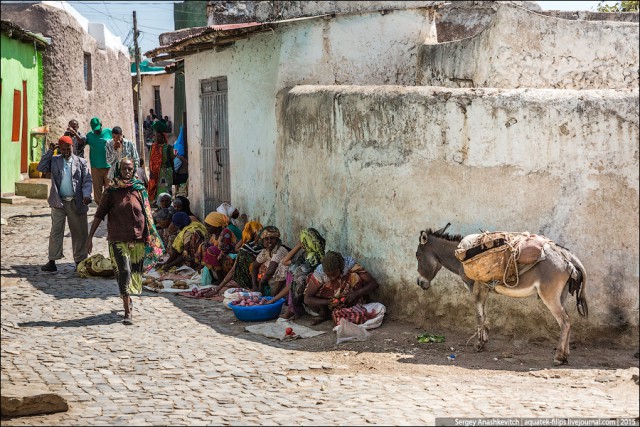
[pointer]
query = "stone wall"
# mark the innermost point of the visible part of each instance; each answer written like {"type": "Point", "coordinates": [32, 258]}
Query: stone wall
{"type": "Point", "coordinates": [65, 96]}
{"type": "Point", "coordinates": [370, 167]}
{"type": "Point", "coordinates": [548, 52]}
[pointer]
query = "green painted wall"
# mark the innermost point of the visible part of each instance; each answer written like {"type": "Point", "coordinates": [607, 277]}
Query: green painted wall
{"type": "Point", "coordinates": [189, 14]}
{"type": "Point", "coordinates": [18, 62]}
{"type": "Point", "coordinates": [185, 15]}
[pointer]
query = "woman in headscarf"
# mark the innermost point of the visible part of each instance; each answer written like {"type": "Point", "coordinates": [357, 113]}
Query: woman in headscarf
{"type": "Point", "coordinates": [160, 162]}
{"type": "Point", "coordinates": [268, 274]}
{"type": "Point", "coordinates": [240, 274]}
{"type": "Point", "coordinates": [337, 288]}
{"type": "Point", "coordinates": [182, 204]}
{"type": "Point", "coordinates": [301, 261]}
{"type": "Point", "coordinates": [231, 213]}
{"type": "Point", "coordinates": [215, 253]}
{"type": "Point", "coordinates": [134, 244]}
{"type": "Point", "coordinates": [162, 218]}
{"type": "Point", "coordinates": [185, 246]}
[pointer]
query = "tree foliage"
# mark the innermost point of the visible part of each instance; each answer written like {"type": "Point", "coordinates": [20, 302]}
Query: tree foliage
{"type": "Point", "coordinates": [620, 6]}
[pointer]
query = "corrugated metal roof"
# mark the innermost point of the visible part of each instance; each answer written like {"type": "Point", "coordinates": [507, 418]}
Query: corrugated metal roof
{"type": "Point", "coordinates": [211, 34]}
{"type": "Point", "coordinates": [216, 35]}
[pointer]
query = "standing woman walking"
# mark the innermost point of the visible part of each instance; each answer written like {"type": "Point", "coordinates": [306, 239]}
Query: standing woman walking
{"type": "Point", "coordinates": [160, 163]}
{"type": "Point", "coordinates": [134, 243]}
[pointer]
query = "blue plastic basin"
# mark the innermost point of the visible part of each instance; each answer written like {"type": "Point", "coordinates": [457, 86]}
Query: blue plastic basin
{"type": "Point", "coordinates": [258, 313]}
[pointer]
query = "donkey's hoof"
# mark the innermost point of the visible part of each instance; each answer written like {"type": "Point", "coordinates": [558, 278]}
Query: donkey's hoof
{"type": "Point", "coordinates": [560, 361]}
{"type": "Point", "coordinates": [479, 347]}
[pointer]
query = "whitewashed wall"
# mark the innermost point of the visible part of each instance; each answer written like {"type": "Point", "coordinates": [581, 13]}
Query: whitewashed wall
{"type": "Point", "coordinates": [520, 48]}
{"type": "Point", "coordinates": [365, 49]}
{"type": "Point", "coordinates": [370, 167]}
{"type": "Point", "coordinates": [147, 96]}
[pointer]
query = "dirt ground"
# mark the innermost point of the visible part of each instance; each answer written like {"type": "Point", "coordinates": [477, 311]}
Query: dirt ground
{"type": "Point", "coordinates": [394, 347]}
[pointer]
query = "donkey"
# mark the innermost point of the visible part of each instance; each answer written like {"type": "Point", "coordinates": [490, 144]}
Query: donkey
{"type": "Point", "coordinates": [561, 272]}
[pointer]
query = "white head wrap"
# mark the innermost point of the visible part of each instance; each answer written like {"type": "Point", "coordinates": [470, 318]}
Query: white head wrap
{"type": "Point", "coordinates": [226, 209]}
{"type": "Point", "coordinates": [163, 195]}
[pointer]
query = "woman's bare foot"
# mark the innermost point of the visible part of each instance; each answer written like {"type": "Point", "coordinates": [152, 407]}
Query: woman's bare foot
{"type": "Point", "coordinates": [288, 315]}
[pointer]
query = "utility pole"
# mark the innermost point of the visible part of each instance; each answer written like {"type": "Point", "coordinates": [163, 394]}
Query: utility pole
{"type": "Point", "coordinates": [141, 145]}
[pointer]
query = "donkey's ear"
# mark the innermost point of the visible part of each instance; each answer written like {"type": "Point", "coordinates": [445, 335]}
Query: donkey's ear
{"type": "Point", "coordinates": [443, 229]}
{"type": "Point", "coordinates": [423, 237]}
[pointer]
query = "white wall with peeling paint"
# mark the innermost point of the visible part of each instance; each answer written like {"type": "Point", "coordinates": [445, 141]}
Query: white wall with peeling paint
{"type": "Point", "coordinates": [390, 161]}
{"type": "Point", "coordinates": [520, 48]}
{"type": "Point", "coordinates": [357, 49]}
{"type": "Point", "coordinates": [371, 165]}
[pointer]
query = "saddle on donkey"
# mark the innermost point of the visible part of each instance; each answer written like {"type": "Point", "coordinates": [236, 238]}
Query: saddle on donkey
{"type": "Point", "coordinates": [500, 256]}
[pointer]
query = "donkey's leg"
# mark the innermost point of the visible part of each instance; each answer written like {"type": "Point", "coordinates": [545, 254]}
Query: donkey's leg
{"type": "Point", "coordinates": [553, 295]}
{"type": "Point", "coordinates": [480, 292]}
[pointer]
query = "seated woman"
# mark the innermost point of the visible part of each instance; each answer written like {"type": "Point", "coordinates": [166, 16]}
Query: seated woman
{"type": "Point", "coordinates": [231, 213]}
{"type": "Point", "coordinates": [185, 246]}
{"type": "Point", "coordinates": [162, 218]}
{"type": "Point", "coordinates": [338, 288]}
{"type": "Point", "coordinates": [182, 204]}
{"type": "Point", "coordinates": [268, 274]}
{"type": "Point", "coordinates": [301, 261]}
{"type": "Point", "coordinates": [240, 274]}
{"type": "Point", "coordinates": [217, 249]}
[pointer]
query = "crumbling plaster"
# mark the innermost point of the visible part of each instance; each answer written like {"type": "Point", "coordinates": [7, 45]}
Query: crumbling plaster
{"type": "Point", "coordinates": [521, 48]}
{"type": "Point", "coordinates": [371, 165]}
{"type": "Point", "coordinates": [343, 50]}
{"type": "Point", "coordinates": [65, 97]}
{"type": "Point", "coordinates": [391, 161]}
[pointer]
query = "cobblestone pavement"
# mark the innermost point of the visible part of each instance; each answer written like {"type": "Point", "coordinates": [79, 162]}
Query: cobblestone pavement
{"type": "Point", "coordinates": [185, 362]}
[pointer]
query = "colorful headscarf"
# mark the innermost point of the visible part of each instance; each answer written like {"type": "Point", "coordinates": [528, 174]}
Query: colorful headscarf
{"type": "Point", "coordinates": [270, 231]}
{"type": "Point", "coordinates": [226, 209]}
{"type": "Point", "coordinates": [181, 220]}
{"type": "Point", "coordinates": [250, 230]}
{"type": "Point", "coordinates": [313, 244]}
{"type": "Point", "coordinates": [153, 248]}
{"type": "Point", "coordinates": [216, 219]}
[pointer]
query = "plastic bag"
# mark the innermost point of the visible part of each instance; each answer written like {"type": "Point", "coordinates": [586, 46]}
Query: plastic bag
{"type": "Point", "coordinates": [205, 277]}
{"type": "Point", "coordinates": [347, 331]}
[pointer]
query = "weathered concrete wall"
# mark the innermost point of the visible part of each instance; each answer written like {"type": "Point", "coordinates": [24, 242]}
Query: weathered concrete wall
{"type": "Point", "coordinates": [370, 167]}
{"type": "Point", "coordinates": [230, 12]}
{"type": "Point", "coordinates": [367, 49]}
{"type": "Point", "coordinates": [586, 15]}
{"type": "Point", "coordinates": [147, 96]}
{"type": "Point", "coordinates": [65, 97]}
{"type": "Point", "coordinates": [548, 52]}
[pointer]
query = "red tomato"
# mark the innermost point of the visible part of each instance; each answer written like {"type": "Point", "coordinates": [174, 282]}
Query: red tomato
{"type": "Point", "coordinates": [289, 331]}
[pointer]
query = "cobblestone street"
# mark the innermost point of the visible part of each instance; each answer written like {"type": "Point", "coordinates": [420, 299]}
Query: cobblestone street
{"type": "Point", "coordinates": [188, 362]}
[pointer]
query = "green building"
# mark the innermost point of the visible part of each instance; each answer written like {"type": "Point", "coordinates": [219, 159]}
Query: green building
{"type": "Point", "coordinates": [21, 93]}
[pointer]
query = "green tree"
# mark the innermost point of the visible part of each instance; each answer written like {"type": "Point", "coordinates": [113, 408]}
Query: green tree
{"type": "Point", "coordinates": [620, 6]}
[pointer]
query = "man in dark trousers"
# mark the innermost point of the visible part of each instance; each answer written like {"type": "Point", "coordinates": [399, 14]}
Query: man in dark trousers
{"type": "Point", "coordinates": [68, 198]}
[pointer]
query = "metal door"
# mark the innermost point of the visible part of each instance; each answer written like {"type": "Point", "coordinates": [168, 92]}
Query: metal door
{"type": "Point", "coordinates": [215, 143]}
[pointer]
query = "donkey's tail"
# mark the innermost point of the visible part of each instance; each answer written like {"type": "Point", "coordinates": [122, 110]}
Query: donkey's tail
{"type": "Point", "coordinates": [577, 283]}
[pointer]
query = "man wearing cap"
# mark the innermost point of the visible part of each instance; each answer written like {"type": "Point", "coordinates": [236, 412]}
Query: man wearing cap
{"type": "Point", "coordinates": [68, 198]}
{"type": "Point", "coordinates": [97, 141]}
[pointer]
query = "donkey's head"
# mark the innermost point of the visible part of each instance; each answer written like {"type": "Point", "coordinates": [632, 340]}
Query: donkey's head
{"type": "Point", "coordinates": [428, 262]}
